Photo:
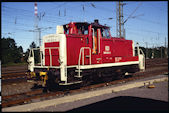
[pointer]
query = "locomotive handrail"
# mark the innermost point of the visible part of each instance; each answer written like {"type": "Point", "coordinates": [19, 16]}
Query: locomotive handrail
{"type": "Point", "coordinates": [93, 39]}
{"type": "Point", "coordinates": [139, 53]}
{"type": "Point", "coordinates": [140, 50]}
{"type": "Point", "coordinates": [82, 52]}
{"type": "Point", "coordinates": [143, 57]}
{"type": "Point", "coordinates": [99, 40]}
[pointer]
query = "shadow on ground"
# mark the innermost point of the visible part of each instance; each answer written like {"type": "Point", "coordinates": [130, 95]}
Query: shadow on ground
{"type": "Point", "coordinates": [124, 103]}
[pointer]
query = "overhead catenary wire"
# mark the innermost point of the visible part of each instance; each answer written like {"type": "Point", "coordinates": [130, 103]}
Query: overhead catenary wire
{"type": "Point", "coordinates": [62, 19]}
{"type": "Point", "coordinates": [52, 21]}
{"type": "Point", "coordinates": [132, 12]}
{"type": "Point", "coordinates": [88, 6]}
{"type": "Point", "coordinates": [48, 16]}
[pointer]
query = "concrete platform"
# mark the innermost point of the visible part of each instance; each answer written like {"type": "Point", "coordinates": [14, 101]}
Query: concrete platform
{"type": "Point", "coordinates": [73, 102]}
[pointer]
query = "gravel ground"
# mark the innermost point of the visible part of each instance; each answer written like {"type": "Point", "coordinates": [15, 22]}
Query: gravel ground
{"type": "Point", "coordinates": [26, 86]}
{"type": "Point", "coordinates": [16, 88]}
{"type": "Point", "coordinates": [10, 69]}
{"type": "Point", "coordinates": [139, 98]}
{"type": "Point", "coordinates": [133, 97]}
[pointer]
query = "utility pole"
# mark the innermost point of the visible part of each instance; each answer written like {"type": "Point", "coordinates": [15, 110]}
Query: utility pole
{"type": "Point", "coordinates": [119, 20]}
{"type": "Point", "coordinates": [160, 46]}
{"type": "Point", "coordinates": [36, 23]}
{"type": "Point", "coordinates": [161, 52]}
{"type": "Point", "coordinates": [165, 49]}
{"type": "Point", "coordinates": [120, 31]}
{"type": "Point", "coordinates": [152, 56]}
{"type": "Point", "coordinates": [146, 51]}
{"type": "Point", "coordinates": [39, 30]}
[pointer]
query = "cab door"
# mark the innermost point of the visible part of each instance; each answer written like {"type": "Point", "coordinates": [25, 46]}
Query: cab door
{"type": "Point", "coordinates": [96, 46]}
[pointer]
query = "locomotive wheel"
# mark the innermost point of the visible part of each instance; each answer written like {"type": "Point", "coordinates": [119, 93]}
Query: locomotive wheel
{"type": "Point", "coordinates": [119, 74]}
{"type": "Point", "coordinates": [86, 81]}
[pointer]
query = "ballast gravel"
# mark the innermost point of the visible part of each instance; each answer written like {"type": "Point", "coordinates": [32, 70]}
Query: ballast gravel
{"type": "Point", "coordinates": [16, 88]}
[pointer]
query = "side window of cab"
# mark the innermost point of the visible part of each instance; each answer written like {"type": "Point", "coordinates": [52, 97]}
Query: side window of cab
{"type": "Point", "coordinates": [66, 29]}
{"type": "Point", "coordinates": [83, 30]}
{"type": "Point", "coordinates": [105, 33]}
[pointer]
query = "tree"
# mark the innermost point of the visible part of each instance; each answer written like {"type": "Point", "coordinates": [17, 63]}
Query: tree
{"type": "Point", "coordinates": [10, 52]}
{"type": "Point", "coordinates": [33, 45]}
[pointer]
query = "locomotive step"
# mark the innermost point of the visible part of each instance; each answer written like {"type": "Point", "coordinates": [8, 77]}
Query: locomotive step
{"type": "Point", "coordinates": [78, 76]}
{"type": "Point", "coordinates": [70, 83]}
{"type": "Point", "coordinates": [78, 70]}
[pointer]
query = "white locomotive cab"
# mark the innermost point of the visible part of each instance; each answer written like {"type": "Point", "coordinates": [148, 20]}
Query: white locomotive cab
{"type": "Point", "coordinates": [31, 61]}
{"type": "Point", "coordinates": [61, 38]}
{"type": "Point", "coordinates": [141, 60]}
{"type": "Point", "coordinates": [141, 57]}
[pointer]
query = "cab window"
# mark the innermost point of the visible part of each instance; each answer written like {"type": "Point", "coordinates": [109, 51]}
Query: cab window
{"type": "Point", "coordinates": [82, 29]}
{"type": "Point", "coordinates": [66, 29]}
{"type": "Point", "coordinates": [105, 33]}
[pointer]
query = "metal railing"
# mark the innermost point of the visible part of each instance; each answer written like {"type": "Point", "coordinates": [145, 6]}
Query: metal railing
{"type": "Point", "coordinates": [82, 52]}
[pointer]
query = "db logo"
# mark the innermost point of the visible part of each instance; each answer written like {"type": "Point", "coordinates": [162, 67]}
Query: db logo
{"type": "Point", "coordinates": [107, 48]}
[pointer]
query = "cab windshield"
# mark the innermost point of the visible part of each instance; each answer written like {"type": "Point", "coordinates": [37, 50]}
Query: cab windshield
{"type": "Point", "coordinates": [76, 28]}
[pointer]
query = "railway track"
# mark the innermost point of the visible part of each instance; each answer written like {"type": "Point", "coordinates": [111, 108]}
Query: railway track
{"type": "Point", "coordinates": [153, 67]}
{"type": "Point", "coordinates": [10, 78]}
{"type": "Point", "coordinates": [38, 94]}
{"type": "Point", "coordinates": [14, 69]}
{"type": "Point", "coordinates": [156, 62]}
{"type": "Point", "coordinates": [14, 76]}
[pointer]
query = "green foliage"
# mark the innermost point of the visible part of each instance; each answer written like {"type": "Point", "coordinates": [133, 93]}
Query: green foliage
{"type": "Point", "coordinates": [26, 55]}
{"type": "Point", "coordinates": [14, 64]}
{"type": "Point", "coordinates": [33, 45]}
{"type": "Point", "coordinates": [10, 52]}
{"type": "Point", "coordinates": [159, 52]}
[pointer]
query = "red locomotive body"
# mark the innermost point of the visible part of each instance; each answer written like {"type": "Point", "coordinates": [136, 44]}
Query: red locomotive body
{"type": "Point", "coordinates": [80, 52]}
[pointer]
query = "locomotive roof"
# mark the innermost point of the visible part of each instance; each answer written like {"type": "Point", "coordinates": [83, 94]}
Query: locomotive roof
{"type": "Point", "coordinates": [87, 24]}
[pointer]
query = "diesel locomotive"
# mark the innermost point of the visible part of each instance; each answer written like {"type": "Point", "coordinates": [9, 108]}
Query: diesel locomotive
{"type": "Point", "coordinates": [82, 52]}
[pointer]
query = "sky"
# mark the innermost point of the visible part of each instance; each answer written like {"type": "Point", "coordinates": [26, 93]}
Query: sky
{"type": "Point", "coordinates": [149, 22]}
